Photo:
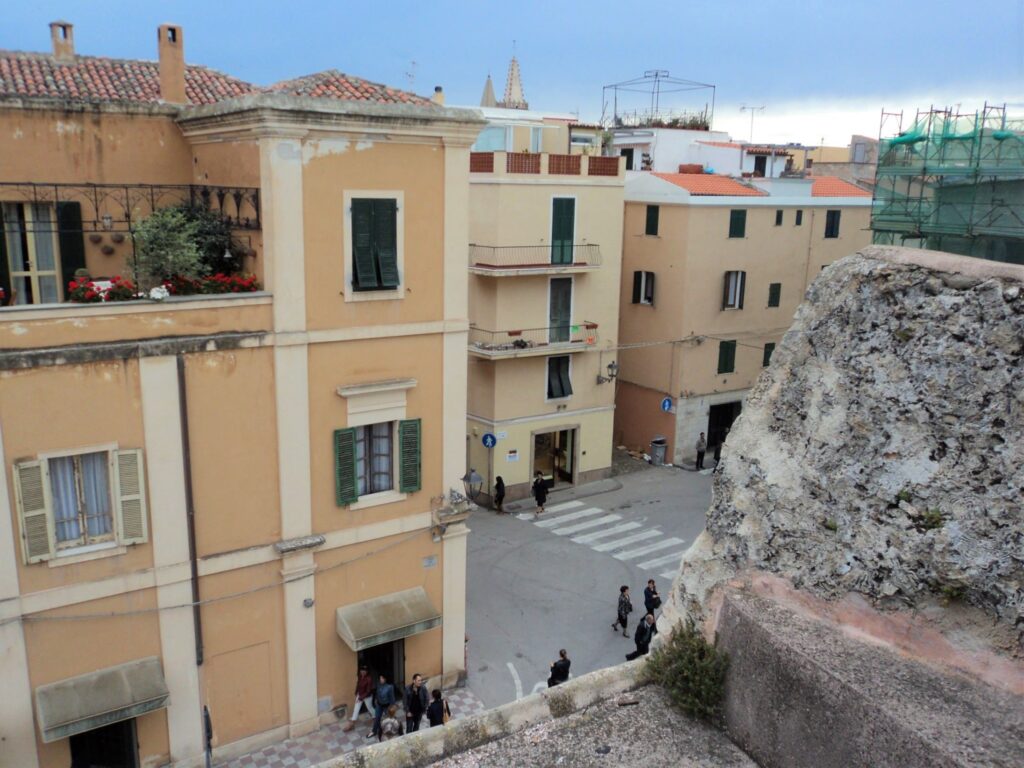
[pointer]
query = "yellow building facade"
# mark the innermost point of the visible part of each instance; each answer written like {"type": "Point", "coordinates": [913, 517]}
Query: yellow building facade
{"type": "Point", "coordinates": [713, 270]}
{"type": "Point", "coordinates": [226, 503]}
{"type": "Point", "coordinates": [544, 265]}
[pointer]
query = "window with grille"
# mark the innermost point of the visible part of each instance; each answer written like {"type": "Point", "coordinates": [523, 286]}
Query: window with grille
{"type": "Point", "coordinates": [559, 382]}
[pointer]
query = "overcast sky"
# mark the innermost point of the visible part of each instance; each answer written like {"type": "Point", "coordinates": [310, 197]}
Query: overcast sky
{"type": "Point", "coordinates": [822, 70]}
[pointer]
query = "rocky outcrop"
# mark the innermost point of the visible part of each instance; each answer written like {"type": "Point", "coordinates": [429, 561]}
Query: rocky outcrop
{"type": "Point", "coordinates": [882, 453]}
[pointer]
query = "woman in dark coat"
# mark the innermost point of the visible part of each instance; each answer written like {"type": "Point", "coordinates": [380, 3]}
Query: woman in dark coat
{"type": "Point", "coordinates": [540, 493]}
{"type": "Point", "coordinates": [499, 494]}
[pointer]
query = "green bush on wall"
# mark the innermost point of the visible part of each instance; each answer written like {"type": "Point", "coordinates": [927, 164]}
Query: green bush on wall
{"type": "Point", "coordinates": [691, 670]}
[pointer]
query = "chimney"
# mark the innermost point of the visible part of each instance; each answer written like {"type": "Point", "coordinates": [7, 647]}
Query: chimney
{"type": "Point", "coordinates": [62, 34]}
{"type": "Point", "coordinates": [438, 97]}
{"type": "Point", "coordinates": [171, 47]}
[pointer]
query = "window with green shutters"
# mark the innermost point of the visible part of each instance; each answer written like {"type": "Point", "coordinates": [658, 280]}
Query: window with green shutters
{"type": "Point", "coordinates": [559, 380]}
{"type": "Point", "coordinates": [738, 223]}
{"type": "Point", "coordinates": [799, 218]}
{"type": "Point", "coordinates": [374, 244]}
{"type": "Point", "coordinates": [832, 223]}
{"type": "Point", "coordinates": [652, 220]}
{"type": "Point", "coordinates": [366, 459]}
{"type": "Point", "coordinates": [768, 350]}
{"type": "Point", "coordinates": [563, 225]}
{"type": "Point", "coordinates": [778, 218]}
{"type": "Point", "coordinates": [774, 294]}
{"type": "Point", "coordinates": [409, 459]}
{"type": "Point", "coordinates": [726, 356]}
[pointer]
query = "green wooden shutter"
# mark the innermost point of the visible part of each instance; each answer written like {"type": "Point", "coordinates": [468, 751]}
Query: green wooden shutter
{"type": "Point", "coordinates": [774, 294]}
{"type": "Point", "coordinates": [71, 240]}
{"type": "Point", "coordinates": [649, 288]}
{"type": "Point", "coordinates": [130, 486]}
{"type": "Point", "coordinates": [726, 356]}
{"type": "Point", "coordinates": [364, 274]}
{"type": "Point", "coordinates": [5, 272]}
{"type": "Point", "coordinates": [652, 220]}
{"type": "Point", "coordinates": [409, 456]}
{"type": "Point", "coordinates": [743, 288]}
{"type": "Point", "coordinates": [386, 241]}
{"type": "Point", "coordinates": [738, 223]}
{"type": "Point", "coordinates": [725, 291]}
{"type": "Point", "coordinates": [346, 488]}
{"type": "Point", "coordinates": [563, 215]}
{"type": "Point", "coordinates": [767, 358]}
{"type": "Point", "coordinates": [32, 495]}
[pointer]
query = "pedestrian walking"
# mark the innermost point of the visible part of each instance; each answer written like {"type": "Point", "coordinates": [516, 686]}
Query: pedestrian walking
{"type": "Point", "coordinates": [559, 669]}
{"type": "Point", "coordinates": [702, 447]}
{"type": "Point", "coordinates": [438, 713]}
{"type": "Point", "coordinates": [540, 493]}
{"type": "Point", "coordinates": [652, 600]}
{"type": "Point", "coordinates": [415, 703]}
{"type": "Point", "coordinates": [645, 632]}
{"type": "Point", "coordinates": [389, 726]}
{"type": "Point", "coordinates": [364, 696]}
{"type": "Point", "coordinates": [383, 697]}
{"type": "Point", "coordinates": [625, 608]}
{"type": "Point", "coordinates": [499, 494]}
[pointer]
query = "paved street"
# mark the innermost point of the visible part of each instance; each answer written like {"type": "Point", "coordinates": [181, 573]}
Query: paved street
{"type": "Point", "coordinates": [535, 587]}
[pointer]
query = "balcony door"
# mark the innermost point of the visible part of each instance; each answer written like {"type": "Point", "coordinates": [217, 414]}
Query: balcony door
{"type": "Point", "coordinates": [563, 226]}
{"type": "Point", "coordinates": [31, 253]}
{"type": "Point", "coordinates": [559, 309]}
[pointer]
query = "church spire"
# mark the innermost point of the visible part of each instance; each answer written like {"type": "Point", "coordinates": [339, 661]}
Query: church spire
{"type": "Point", "coordinates": [487, 100]}
{"type": "Point", "coordinates": [514, 98]}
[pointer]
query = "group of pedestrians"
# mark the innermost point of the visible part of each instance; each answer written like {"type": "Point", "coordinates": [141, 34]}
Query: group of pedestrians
{"type": "Point", "coordinates": [702, 448]}
{"type": "Point", "coordinates": [382, 697]}
{"type": "Point", "coordinates": [646, 628]}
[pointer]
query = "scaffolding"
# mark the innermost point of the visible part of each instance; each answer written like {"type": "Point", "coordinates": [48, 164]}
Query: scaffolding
{"type": "Point", "coordinates": [953, 182]}
{"type": "Point", "coordinates": [648, 111]}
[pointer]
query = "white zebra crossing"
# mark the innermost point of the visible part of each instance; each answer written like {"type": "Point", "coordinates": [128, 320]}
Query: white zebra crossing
{"type": "Point", "coordinates": [551, 522]}
{"type": "Point", "coordinates": [587, 524]}
{"type": "Point", "coordinates": [663, 544]}
{"type": "Point", "coordinates": [590, 538]}
{"type": "Point", "coordinates": [657, 562]}
{"type": "Point", "coordinates": [610, 545]}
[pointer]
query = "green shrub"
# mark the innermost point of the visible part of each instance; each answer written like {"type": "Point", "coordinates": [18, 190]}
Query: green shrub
{"type": "Point", "coordinates": [830, 524]}
{"type": "Point", "coordinates": [904, 495]}
{"type": "Point", "coordinates": [691, 670]}
{"type": "Point", "coordinates": [213, 239]}
{"type": "Point", "coordinates": [165, 247]}
{"type": "Point", "coordinates": [932, 519]}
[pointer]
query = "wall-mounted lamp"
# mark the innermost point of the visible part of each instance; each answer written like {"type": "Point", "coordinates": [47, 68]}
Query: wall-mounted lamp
{"type": "Point", "coordinates": [613, 371]}
{"type": "Point", "coordinates": [473, 484]}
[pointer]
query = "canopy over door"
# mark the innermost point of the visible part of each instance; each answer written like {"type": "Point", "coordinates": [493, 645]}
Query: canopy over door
{"type": "Point", "coordinates": [383, 619]}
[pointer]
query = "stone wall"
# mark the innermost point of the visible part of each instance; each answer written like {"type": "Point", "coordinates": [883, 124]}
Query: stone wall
{"type": "Point", "coordinates": [883, 451]}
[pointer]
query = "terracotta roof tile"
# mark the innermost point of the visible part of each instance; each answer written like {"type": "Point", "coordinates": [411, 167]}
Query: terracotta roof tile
{"type": "Point", "coordinates": [709, 184]}
{"type": "Point", "coordinates": [833, 186]}
{"type": "Point", "coordinates": [722, 144]}
{"type": "Point", "coordinates": [332, 84]}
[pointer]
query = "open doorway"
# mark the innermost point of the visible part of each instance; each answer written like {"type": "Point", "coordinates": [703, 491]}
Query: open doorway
{"type": "Point", "coordinates": [628, 154]}
{"type": "Point", "coordinates": [385, 659]}
{"type": "Point", "coordinates": [112, 746]}
{"type": "Point", "coordinates": [554, 456]}
{"type": "Point", "coordinates": [720, 419]}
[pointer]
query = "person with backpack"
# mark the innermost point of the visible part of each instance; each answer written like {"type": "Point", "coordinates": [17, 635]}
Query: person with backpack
{"type": "Point", "coordinates": [624, 609]}
{"type": "Point", "coordinates": [438, 713]}
{"type": "Point", "coordinates": [383, 697]}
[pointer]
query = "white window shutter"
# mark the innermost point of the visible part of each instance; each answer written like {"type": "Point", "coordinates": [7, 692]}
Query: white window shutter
{"type": "Point", "coordinates": [32, 492]}
{"type": "Point", "coordinates": [130, 487]}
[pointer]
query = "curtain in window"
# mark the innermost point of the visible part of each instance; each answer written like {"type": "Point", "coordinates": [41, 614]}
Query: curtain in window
{"type": "Point", "coordinates": [96, 490]}
{"type": "Point", "coordinates": [43, 235]}
{"type": "Point", "coordinates": [14, 228]}
{"type": "Point", "coordinates": [382, 472]}
{"type": "Point", "coordinates": [65, 500]}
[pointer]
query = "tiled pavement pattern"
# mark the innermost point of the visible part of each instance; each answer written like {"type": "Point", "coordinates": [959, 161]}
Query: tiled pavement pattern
{"type": "Point", "coordinates": [611, 534]}
{"type": "Point", "coordinates": [312, 749]}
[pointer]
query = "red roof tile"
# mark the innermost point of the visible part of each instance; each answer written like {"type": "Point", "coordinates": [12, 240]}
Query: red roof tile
{"type": "Point", "coordinates": [833, 186]}
{"type": "Point", "coordinates": [709, 184]}
{"type": "Point", "coordinates": [100, 79]}
{"type": "Point", "coordinates": [722, 144]}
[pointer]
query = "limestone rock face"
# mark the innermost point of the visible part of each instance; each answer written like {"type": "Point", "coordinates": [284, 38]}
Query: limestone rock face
{"type": "Point", "coordinates": [883, 450]}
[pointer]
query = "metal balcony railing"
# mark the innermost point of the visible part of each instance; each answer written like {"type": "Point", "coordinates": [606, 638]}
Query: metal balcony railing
{"type": "Point", "coordinates": [554, 339]}
{"type": "Point", "coordinates": [524, 257]}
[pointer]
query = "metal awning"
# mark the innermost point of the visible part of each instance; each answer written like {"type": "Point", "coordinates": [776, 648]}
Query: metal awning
{"type": "Point", "coordinates": [99, 698]}
{"type": "Point", "coordinates": [383, 619]}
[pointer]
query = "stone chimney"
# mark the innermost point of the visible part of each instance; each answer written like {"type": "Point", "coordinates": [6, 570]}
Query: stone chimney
{"type": "Point", "coordinates": [438, 97]}
{"type": "Point", "coordinates": [171, 45]}
{"type": "Point", "coordinates": [62, 35]}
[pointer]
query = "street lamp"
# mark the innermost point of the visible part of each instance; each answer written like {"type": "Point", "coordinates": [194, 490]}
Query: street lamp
{"type": "Point", "coordinates": [473, 484]}
{"type": "Point", "coordinates": [613, 371]}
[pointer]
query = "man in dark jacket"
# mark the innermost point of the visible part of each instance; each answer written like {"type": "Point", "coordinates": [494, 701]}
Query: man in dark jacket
{"type": "Point", "coordinates": [383, 697]}
{"type": "Point", "coordinates": [415, 703]}
{"type": "Point", "coordinates": [559, 669]}
{"type": "Point", "coordinates": [645, 632]}
{"type": "Point", "coordinates": [652, 600]}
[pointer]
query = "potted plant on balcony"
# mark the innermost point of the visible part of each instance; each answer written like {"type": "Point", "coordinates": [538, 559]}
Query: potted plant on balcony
{"type": "Point", "coordinates": [166, 248]}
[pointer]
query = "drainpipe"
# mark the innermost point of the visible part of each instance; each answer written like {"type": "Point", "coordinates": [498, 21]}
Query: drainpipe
{"type": "Point", "coordinates": [190, 510]}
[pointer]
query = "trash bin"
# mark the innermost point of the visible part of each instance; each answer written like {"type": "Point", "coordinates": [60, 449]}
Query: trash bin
{"type": "Point", "coordinates": [658, 447]}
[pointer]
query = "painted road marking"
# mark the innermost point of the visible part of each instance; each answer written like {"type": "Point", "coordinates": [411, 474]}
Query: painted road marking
{"type": "Point", "coordinates": [604, 533]}
{"type": "Point", "coordinates": [657, 562]}
{"type": "Point", "coordinates": [546, 522]}
{"type": "Point", "coordinates": [668, 574]}
{"type": "Point", "coordinates": [649, 548]}
{"type": "Point", "coordinates": [610, 545]}
{"type": "Point", "coordinates": [587, 524]}
{"type": "Point", "coordinates": [516, 680]}
{"type": "Point", "coordinates": [563, 506]}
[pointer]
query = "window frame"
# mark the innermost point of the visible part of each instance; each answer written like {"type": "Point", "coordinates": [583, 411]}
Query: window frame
{"type": "Point", "coordinates": [547, 378]}
{"type": "Point", "coordinates": [737, 223]}
{"type": "Point", "coordinates": [65, 549]}
{"type": "Point", "coordinates": [26, 234]}
{"type": "Point", "coordinates": [350, 293]}
{"type": "Point", "coordinates": [774, 294]}
{"type": "Point", "coordinates": [648, 219]}
{"type": "Point", "coordinates": [778, 217]}
{"type": "Point", "coordinates": [368, 457]}
{"type": "Point", "coordinates": [723, 345]}
{"type": "Point", "coordinates": [833, 221]}
{"type": "Point", "coordinates": [644, 284]}
{"type": "Point", "coordinates": [733, 296]}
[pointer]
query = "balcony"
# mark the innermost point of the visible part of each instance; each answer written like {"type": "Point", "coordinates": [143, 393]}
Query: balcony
{"type": "Point", "coordinates": [533, 342]}
{"type": "Point", "coordinates": [525, 164]}
{"type": "Point", "coordinates": [519, 260]}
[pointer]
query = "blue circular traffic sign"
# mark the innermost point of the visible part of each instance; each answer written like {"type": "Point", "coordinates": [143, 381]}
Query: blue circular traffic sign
{"type": "Point", "coordinates": [489, 440]}
{"type": "Point", "coordinates": [666, 405]}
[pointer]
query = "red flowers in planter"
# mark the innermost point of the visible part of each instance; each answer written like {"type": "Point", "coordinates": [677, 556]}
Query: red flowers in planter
{"type": "Point", "coordinates": [87, 291]}
{"type": "Point", "coordinates": [219, 283]}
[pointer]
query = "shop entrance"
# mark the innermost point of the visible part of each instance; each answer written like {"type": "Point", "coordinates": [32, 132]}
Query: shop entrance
{"type": "Point", "coordinates": [720, 420]}
{"type": "Point", "coordinates": [554, 456]}
{"type": "Point", "coordinates": [112, 746]}
{"type": "Point", "coordinates": [385, 659]}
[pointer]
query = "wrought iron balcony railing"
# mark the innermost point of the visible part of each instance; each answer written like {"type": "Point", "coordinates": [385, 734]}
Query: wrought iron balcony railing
{"type": "Point", "coordinates": [531, 341]}
{"type": "Point", "coordinates": [534, 257]}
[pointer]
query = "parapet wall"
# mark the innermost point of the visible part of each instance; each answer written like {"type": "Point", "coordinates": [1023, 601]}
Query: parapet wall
{"type": "Point", "coordinates": [882, 453]}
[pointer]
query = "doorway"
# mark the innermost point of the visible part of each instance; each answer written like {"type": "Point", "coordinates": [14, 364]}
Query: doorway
{"type": "Point", "coordinates": [386, 659]}
{"type": "Point", "coordinates": [760, 166]}
{"type": "Point", "coordinates": [559, 309]}
{"type": "Point", "coordinates": [720, 419]}
{"type": "Point", "coordinates": [554, 456]}
{"type": "Point", "coordinates": [628, 154]}
{"type": "Point", "coordinates": [112, 746]}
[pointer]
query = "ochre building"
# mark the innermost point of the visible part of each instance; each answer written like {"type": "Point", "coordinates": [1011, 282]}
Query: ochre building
{"type": "Point", "coordinates": [228, 502]}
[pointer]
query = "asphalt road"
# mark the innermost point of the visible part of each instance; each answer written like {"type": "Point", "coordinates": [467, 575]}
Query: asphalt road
{"type": "Point", "coordinates": [534, 588]}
